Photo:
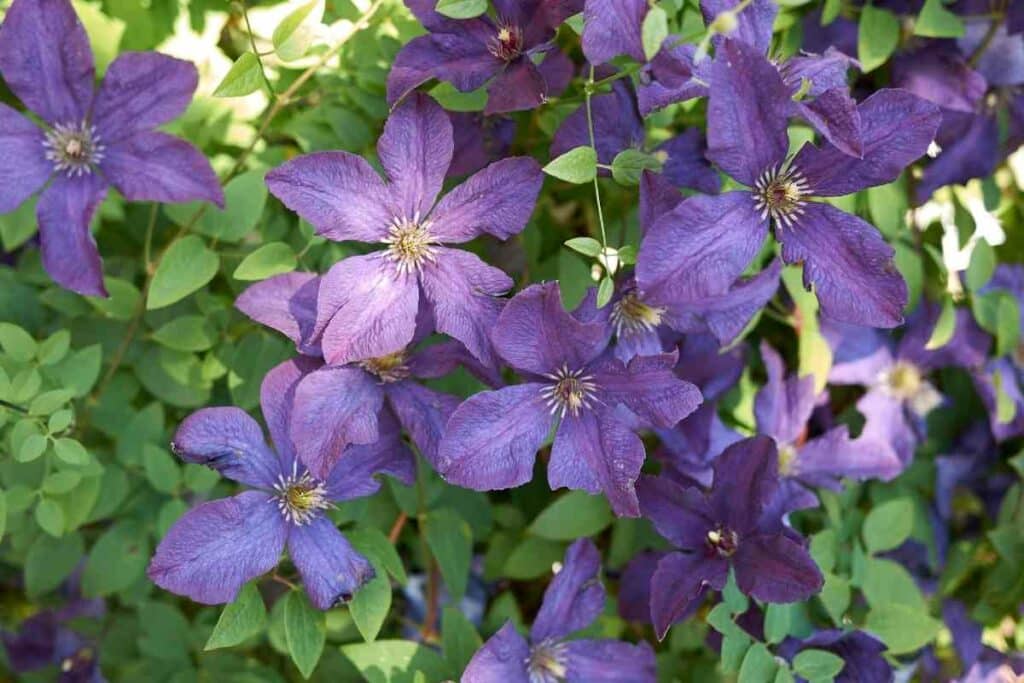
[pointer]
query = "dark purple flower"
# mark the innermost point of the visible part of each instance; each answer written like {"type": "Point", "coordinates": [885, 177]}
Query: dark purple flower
{"type": "Point", "coordinates": [706, 242]}
{"type": "Point", "coordinates": [734, 526]}
{"type": "Point", "coordinates": [368, 305]}
{"type": "Point", "coordinates": [478, 140]}
{"type": "Point", "coordinates": [572, 601]}
{"type": "Point", "coordinates": [211, 552]}
{"type": "Point", "coordinates": [89, 138]}
{"type": "Point", "coordinates": [45, 639]}
{"type": "Point", "coordinates": [596, 401]}
{"type": "Point", "coordinates": [860, 652]}
{"type": "Point", "coordinates": [674, 75]}
{"type": "Point", "coordinates": [469, 53]}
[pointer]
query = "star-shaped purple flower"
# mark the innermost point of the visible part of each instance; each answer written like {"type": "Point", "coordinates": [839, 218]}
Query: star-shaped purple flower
{"type": "Point", "coordinates": [572, 601]}
{"type": "Point", "coordinates": [211, 552]}
{"type": "Point", "coordinates": [368, 305]}
{"type": "Point", "coordinates": [732, 526]}
{"type": "Point", "coordinates": [469, 53]}
{"type": "Point", "coordinates": [705, 243]}
{"type": "Point", "coordinates": [89, 138]}
{"type": "Point", "coordinates": [596, 401]}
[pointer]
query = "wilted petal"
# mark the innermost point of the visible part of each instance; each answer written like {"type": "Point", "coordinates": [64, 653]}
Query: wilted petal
{"type": "Point", "coordinates": [492, 439]}
{"type": "Point", "coordinates": [679, 583]}
{"type": "Point", "coordinates": [497, 200]}
{"type": "Point", "coordinates": [754, 21]}
{"type": "Point", "coordinates": [647, 386]}
{"type": "Point", "coordinates": [64, 212]}
{"type": "Point", "coordinates": [331, 569]}
{"type": "Point", "coordinates": [502, 659]}
{"type": "Point", "coordinates": [834, 114]}
{"type": "Point", "coordinates": [462, 60]}
{"type": "Point", "coordinates": [286, 303]}
{"type": "Point", "coordinates": [575, 596]}
{"type": "Point", "coordinates": [24, 167]}
{"type": "Point", "coordinates": [140, 91]}
{"type": "Point", "coordinates": [686, 165]}
{"type": "Point", "coordinates": [520, 86]}
{"type": "Point", "coordinates": [338, 193]}
{"type": "Point", "coordinates": [784, 404]}
{"type": "Point", "coordinates": [680, 514]}
{"type": "Point", "coordinates": [415, 150]}
{"type": "Point", "coordinates": [776, 569]}
{"type": "Point", "coordinates": [356, 473]}
{"type": "Point", "coordinates": [157, 167]}
{"type": "Point", "coordinates": [612, 28]}
{"type": "Point", "coordinates": [46, 60]}
{"type": "Point", "coordinates": [365, 309]}
{"type": "Point", "coordinates": [611, 661]}
{"type": "Point", "coordinates": [746, 471]}
{"type": "Point", "coordinates": [211, 552]}
{"type": "Point", "coordinates": [228, 440]}
{"type": "Point", "coordinates": [423, 412]}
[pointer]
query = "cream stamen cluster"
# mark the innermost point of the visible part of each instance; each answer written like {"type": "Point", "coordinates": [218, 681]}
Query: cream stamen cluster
{"type": "Point", "coordinates": [571, 391]}
{"type": "Point", "coordinates": [409, 244]}
{"type": "Point", "coordinates": [547, 662]}
{"type": "Point", "coordinates": [779, 192]}
{"type": "Point", "coordinates": [507, 43]}
{"type": "Point", "coordinates": [389, 368]}
{"type": "Point", "coordinates": [300, 498]}
{"type": "Point", "coordinates": [630, 315]}
{"type": "Point", "coordinates": [73, 148]}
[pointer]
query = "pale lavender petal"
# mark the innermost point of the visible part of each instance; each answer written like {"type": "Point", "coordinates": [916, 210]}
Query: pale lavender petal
{"type": "Point", "coordinates": [823, 460]}
{"type": "Point", "coordinates": [520, 86]}
{"type": "Point", "coordinates": [228, 440]}
{"type": "Point", "coordinates": [575, 596]}
{"type": "Point", "coordinates": [461, 60]}
{"type": "Point", "coordinates": [609, 661]}
{"type": "Point", "coordinates": [776, 569]}
{"type": "Point", "coordinates": [754, 21]}
{"type": "Point", "coordinates": [357, 473]}
{"type": "Point", "coordinates": [415, 150]}
{"type": "Point", "coordinates": [331, 569]}
{"type": "Point", "coordinates": [647, 386]}
{"type": "Point", "coordinates": [24, 168]}
{"type": "Point", "coordinates": [680, 514]}
{"type": "Point", "coordinates": [1002, 60]}
{"type": "Point", "coordinates": [746, 471]}
{"type": "Point", "coordinates": [423, 412]}
{"type": "Point", "coordinates": [211, 552]}
{"type": "Point", "coordinates": [277, 395]}
{"type": "Point", "coordinates": [64, 212]}
{"type": "Point", "coordinates": [502, 659]}
{"type": "Point", "coordinates": [679, 583]}
{"type": "Point", "coordinates": [940, 76]}
{"type": "Point", "coordinates": [685, 163]}
{"type": "Point", "coordinates": [156, 167]}
{"type": "Point", "coordinates": [859, 354]}
{"type": "Point", "coordinates": [886, 427]}
{"type": "Point", "coordinates": [286, 303]}
{"type": "Point", "coordinates": [140, 91]}
{"type": "Point", "coordinates": [784, 404]}
{"type": "Point", "coordinates": [612, 28]}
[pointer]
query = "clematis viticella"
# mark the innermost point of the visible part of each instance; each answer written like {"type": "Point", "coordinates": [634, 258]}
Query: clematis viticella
{"type": "Point", "coordinates": [367, 305]}
{"type": "Point", "coordinates": [89, 138]}
{"type": "Point", "coordinates": [572, 602]}
{"type": "Point", "coordinates": [596, 402]}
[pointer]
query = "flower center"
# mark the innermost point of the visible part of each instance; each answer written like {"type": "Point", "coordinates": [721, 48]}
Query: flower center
{"type": "Point", "coordinates": [723, 541]}
{"type": "Point", "coordinates": [787, 454]}
{"type": "Point", "coordinates": [409, 243]}
{"type": "Point", "coordinates": [546, 663]}
{"type": "Point", "coordinates": [507, 43]}
{"type": "Point", "coordinates": [571, 391]}
{"type": "Point", "coordinates": [73, 148]}
{"type": "Point", "coordinates": [903, 380]}
{"type": "Point", "coordinates": [389, 368]}
{"type": "Point", "coordinates": [779, 193]}
{"type": "Point", "coordinates": [300, 498]}
{"type": "Point", "coordinates": [630, 315]}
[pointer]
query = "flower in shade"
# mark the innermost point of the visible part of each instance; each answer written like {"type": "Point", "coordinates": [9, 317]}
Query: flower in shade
{"type": "Point", "coordinates": [89, 139]}
{"type": "Point", "coordinates": [215, 548]}
{"type": "Point", "coordinates": [999, 382]}
{"type": "Point", "coordinates": [367, 305]}
{"type": "Point", "coordinates": [573, 600]}
{"type": "Point", "coordinates": [596, 401]}
{"type": "Point", "coordinates": [732, 526]}
{"type": "Point", "coordinates": [478, 140]}
{"type": "Point", "coordinates": [706, 242]}
{"type": "Point", "coordinates": [861, 654]}
{"type": "Point", "coordinates": [46, 640]}
{"type": "Point", "coordinates": [469, 53]}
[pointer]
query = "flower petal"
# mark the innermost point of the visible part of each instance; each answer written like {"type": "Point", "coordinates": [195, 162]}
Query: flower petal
{"type": "Point", "coordinates": [140, 91]}
{"type": "Point", "coordinates": [679, 583]}
{"type": "Point", "coordinates": [157, 167]}
{"type": "Point", "coordinates": [520, 86]}
{"type": "Point", "coordinates": [462, 60]}
{"type": "Point", "coordinates": [647, 386]}
{"type": "Point", "coordinates": [46, 60]}
{"type": "Point", "coordinates": [824, 460]}
{"type": "Point", "coordinates": [753, 23]}
{"type": "Point", "coordinates": [686, 165]}
{"type": "Point", "coordinates": [784, 404]}
{"type": "Point", "coordinates": [416, 150]}
{"type": "Point", "coordinates": [356, 474]}
{"type": "Point", "coordinates": [228, 440]}
{"type": "Point", "coordinates": [680, 514]}
{"type": "Point", "coordinates": [612, 28]}
{"type": "Point", "coordinates": [635, 586]}
{"type": "Point", "coordinates": [575, 596]}
{"type": "Point", "coordinates": [24, 168]}
{"type": "Point", "coordinates": [886, 425]}
{"type": "Point", "coordinates": [657, 197]}
{"type": "Point", "coordinates": [776, 569]}
{"type": "Point", "coordinates": [672, 76]}
{"type": "Point", "coordinates": [746, 471]}
{"type": "Point", "coordinates": [849, 264]}
{"type": "Point", "coordinates": [834, 114]}
{"type": "Point", "coordinates": [277, 396]}
{"type": "Point", "coordinates": [610, 661]}
{"type": "Point", "coordinates": [331, 569]}
{"type": "Point", "coordinates": [211, 552]}
{"type": "Point", "coordinates": [859, 354]}
{"type": "Point", "coordinates": [940, 76]}
{"type": "Point", "coordinates": [423, 412]}
{"type": "Point", "coordinates": [970, 149]}
{"type": "Point", "coordinates": [338, 193]}
{"type": "Point", "coordinates": [824, 71]}
{"type": "Point", "coordinates": [502, 659]}
{"type": "Point", "coordinates": [286, 303]}
{"type": "Point", "coordinates": [64, 212]}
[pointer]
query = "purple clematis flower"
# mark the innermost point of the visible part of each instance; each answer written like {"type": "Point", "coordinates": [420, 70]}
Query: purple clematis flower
{"type": "Point", "coordinates": [1004, 375]}
{"type": "Point", "coordinates": [89, 139]}
{"type": "Point", "coordinates": [572, 601]}
{"type": "Point", "coordinates": [596, 401]}
{"type": "Point", "coordinates": [211, 552]}
{"type": "Point", "coordinates": [469, 53]}
{"type": "Point", "coordinates": [368, 305]}
{"type": "Point", "coordinates": [46, 640]}
{"type": "Point", "coordinates": [705, 243]}
{"type": "Point", "coordinates": [478, 140]}
{"type": "Point", "coordinates": [860, 652]}
{"type": "Point", "coordinates": [734, 525]}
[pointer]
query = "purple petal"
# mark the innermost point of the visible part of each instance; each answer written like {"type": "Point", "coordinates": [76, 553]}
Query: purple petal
{"type": "Point", "coordinates": [423, 412]}
{"type": "Point", "coordinates": [776, 569]}
{"type": "Point", "coordinates": [1001, 62]}
{"type": "Point", "coordinates": [277, 395]}
{"type": "Point", "coordinates": [970, 149]}
{"type": "Point", "coordinates": [610, 661]}
{"type": "Point", "coordinates": [648, 387]}
{"type": "Point", "coordinates": [502, 659]}
{"type": "Point", "coordinates": [575, 596]}
{"type": "Point", "coordinates": [492, 439]}
{"type": "Point", "coordinates": [754, 22]}
{"type": "Point", "coordinates": [612, 28]}
{"type": "Point", "coordinates": [657, 198]}
{"type": "Point", "coordinates": [672, 76]}
{"type": "Point", "coordinates": [940, 76]}
{"type": "Point", "coordinates": [229, 441]}
{"type": "Point", "coordinates": [535, 334]}
{"type": "Point", "coordinates": [686, 165]}
{"type": "Point", "coordinates": [557, 71]}
{"type": "Point", "coordinates": [498, 201]}
{"type": "Point", "coordinates": [415, 150]}
{"type": "Point", "coordinates": [784, 404]}
{"type": "Point", "coordinates": [702, 362]}
{"type": "Point", "coordinates": [157, 167]}
{"type": "Point", "coordinates": [859, 354]}
{"type": "Point", "coordinates": [462, 60]}
{"type": "Point", "coordinates": [635, 586]}
{"type": "Point", "coordinates": [46, 60]}
{"type": "Point", "coordinates": [825, 71]}
{"type": "Point", "coordinates": [967, 348]}
{"type": "Point", "coordinates": [211, 552]}
{"type": "Point", "coordinates": [286, 303]}
{"type": "Point", "coordinates": [678, 585]}
{"type": "Point", "coordinates": [355, 475]}
{"type": "Point", "coordinates": [749, 104]}
{"type": "Point", "coordinates": [24, 168]}
{"type": "Point", "coordinates": [849, 264]}
{"type": "Point", "coordinates": [746, 471]}
{"type": "Point", "coordinates": [617, 125]}
{"type": "Point", "coordinates": [140, 91]}
{"type": "Point", "coordinates": [479, 140]}
{"type": "Point", "coordinates": [834, 114]}
{"type": "Point", "coordinates": [366, 309]}
{"type": "Point", "coordinates": [680, 514]}
{"type": "Point", "coordinates": [64, 212]}
{"type": "Point", "coordinates": [700, 248]}
{"type": "Point", "coordinates": [833, 455]}
{"type": "Point", "coordinates": [520, 86]}
{"type": "Point", "coordinates": [885, 425]}
{"type": "Point", "coordinates": [331, 569]}
{"type": "Point", "coordinates": [334, 407]}
{"type": "Point", "coordinates": [338, 193]}
{"type": "Point", "coordinates": [896, 128]}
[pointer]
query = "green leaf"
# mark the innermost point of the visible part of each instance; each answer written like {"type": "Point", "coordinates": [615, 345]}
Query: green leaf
{"type": "Point", "coordinates": [824, 548]}
{"type": "Point", "coordinates": [888, 206]}
{"type": "Point", "coordinates": [117, 560]}
{"type": "Point", "coordinates": [629, 164]}
{"type": "Point", "coordinates": [161, 469]}
{"type": "Point", "coordinates": [243, 78]}
{"type": "Point", "coordinates": [295, 35]}
{"type": "Point", "coordinates": [577, 166]}
{"type": "Point", "coordinates": [3, 513]}
{"type": "Point", "coordinates": [370, 605]}
{"type": "Point", "coordinates": [305, 632]}
{"type": "Point", "coordinates": [903, 629]}
{"type": "Point", "coordinates": [79, 370]}
{"type": "Point", "coordinates": [461, 9]}
{"type": "Point", "coordinates": [18, 226]}
{"type": "Point", "coordinates": [981, 267]}
{"type": "Point", "coordinates": [654, 31]}
{"type": "Point", "coordinates": [783, 675]}
{"type": "Point", "coordinates": [813, 352]}
{"type": "Point", "coordinates": [830, 11]}
{"type": "Point", "coordinates": [732, 598]}
{"type": "Point", "coordinates": [31, 448]}
{"type": "Point", "coordinates": [49, 561]}
{"type": "Point", "coordinates": [885, 582]}
{"type": "Point", "coordinates": [1006, 406]}
{"type": "Point", "coordinates": [935, 21]}
{"type": "Point", "coordinates": [815, 665]}
{"type": "Point", "coordinates": [395, 661]}
{"type": "Point", "coordinates": [71, 451]}
{"type": "Point", "coordinates": [269, 260]}
{"type": "Point", "coordinates": [877, 37]}
{"type": "Point", "coordinates": [605, 290]}
{"type": "Point", "coordinates": [240, 620]}
{"type": "Point", "coordinates": [186, 267]}
{"type": "Point", "coordinates": [187, 333]}
{"type": "Point", "coordinates": [49, 402]}
{"type": "Point", "coordinates": [1007, 325]}
{"type": "Point", "coordinates": [835, 596]}
{"type": "Point", "coordinates": [532, 557]}
{"type": "Point", "coordinates": [54, 348]}
{"type": "Point", "coordinates": [61, 482]}
{"type": "Point", "coordinates": [459, 640]}
{"type": "Point", "coordinates": [888, 525]}
{"type": "Point", "coordinates": [945, 326]}
{"type": "Point", "coordinates": [17, 343]}
{"type": "Point", "coordinates": [573, 515]}
{"type": "Point", "coordinates": [777, 621]}
{"type": "Point", "coordinates": [378, 549]}
{"type": "Point", "coordinates": [451, 542]}
{"type": "Point", "coordinates": [587, 246]}
{"type": "Point", "coordinates": [758, 665]}
{"type": "Point", "coordinates": [50, 517]}
{"type": "Point", "coordinates": [104, 32]}
{"type": "Point", "coordinates": [244, 200]}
